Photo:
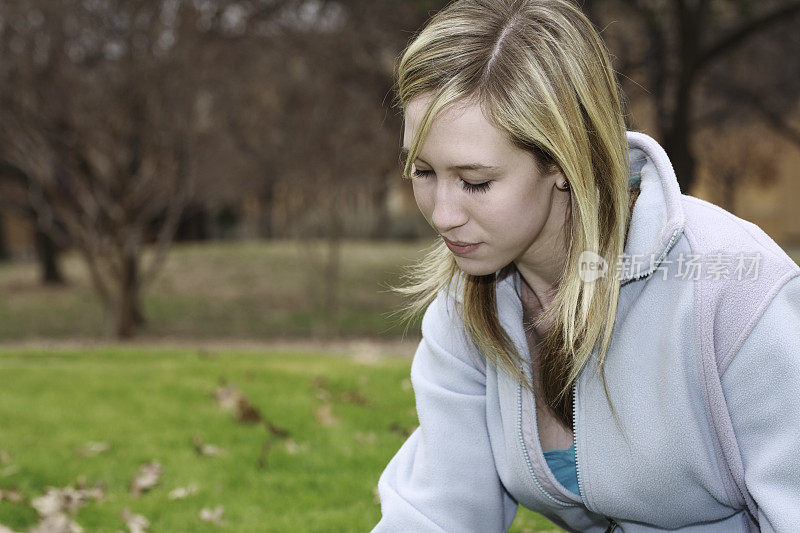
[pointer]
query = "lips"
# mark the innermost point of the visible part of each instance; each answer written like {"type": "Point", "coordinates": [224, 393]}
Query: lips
{"type": "Point", "coordinates": [460, 248]}
{"type": "Point", "coordinates": [458, 243]}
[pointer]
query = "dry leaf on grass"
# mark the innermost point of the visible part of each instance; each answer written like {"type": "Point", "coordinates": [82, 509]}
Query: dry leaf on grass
{"type": "Point", "coordinates": [70, 499]}
{"type": "Point", "coordinates": [179, 493]}
{"type": "Point", "coordinates": [12, 495]}
{"type": "Point", "coordinates": [54, 505]}
{"type": "Point", "coordinates": [324, 393]}
{"type": "Point", "coordinates": [146, 478]}
{"type": "Point", "coordinates": [5, 458]}
{"type": "Point", "coordinates": [275, 430]}
{"type": "Point", "coordinates": [293, 448]}
{"type": "Point", "coordinates": [212, 515]}
{"type": "Point", "coordinates": [230, 398]}
{"type": "Point", "coordinates": [136, 523]}
{"type": "Point", "coordinates": [57, 523]}
{"type": "Point", "coordinates": [227, 396]}
{"type": "Point", "coordinates": [205, 449]}
{"type": "Point", "coordinates": [325, 416]}
{"type": "Point", "coordinates": [353, 396]}
{"type": "Point", "coordinates": [91, 448]}
{"type": "Point", "coordinates": [247, 412]}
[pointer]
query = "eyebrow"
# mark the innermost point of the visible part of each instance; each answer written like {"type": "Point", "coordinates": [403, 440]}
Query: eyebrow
{"type": "Point", "coordinates": [468, 166]}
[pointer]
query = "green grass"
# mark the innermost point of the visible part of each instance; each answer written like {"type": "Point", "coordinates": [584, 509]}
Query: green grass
{"type": "Point", "coordinates": [149, 404]}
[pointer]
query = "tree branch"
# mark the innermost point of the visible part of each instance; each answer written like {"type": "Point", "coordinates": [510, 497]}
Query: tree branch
{"type": "Point", "coordinates": [739, 35]}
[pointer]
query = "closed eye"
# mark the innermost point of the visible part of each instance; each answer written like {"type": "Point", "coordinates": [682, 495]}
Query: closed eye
{"type": "Point", "coordinates": [467, 186]}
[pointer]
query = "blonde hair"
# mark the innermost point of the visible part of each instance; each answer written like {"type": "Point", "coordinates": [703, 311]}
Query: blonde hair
{"type": "Point", "coordinates": [541, 73]}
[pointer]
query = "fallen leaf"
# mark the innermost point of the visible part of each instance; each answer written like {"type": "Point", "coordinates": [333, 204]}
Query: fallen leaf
{"type": "Point", "coordinates": [354, 397]}
{"type": "Point", "coordinates": [5, 458]}
{"type": "Point", "coordinates": [91, 449]}
{"type": "Point", "coordinates": [182, 492]}
{"type": "Point", "coordinates": [13, 495]}
{"type": "Point", "coordinates": [247, 412]}
{"type": "Point", "coordinates": [275, 430]}
{"type": "Point", "coordinates": [325, 416]}
{"type": "Point", "coordinates": [146, 478]}
{"type": "Point", "coordinates": [69, 498]}
{"type": "Point", "coordinates": [96, 492]}
{"type": "Point", "coordinates": [227, 397]}
{"type": "Point", "coordinates": [205, 449]}
{"type": "Point", "coordinates": [136, 523]}
{"type": "Point", "coordinates": [324, 393]}
{"type": "Point", "coordinates": [50, 503]}
{"type": "Point", "coordinates": [293, 448]}
{"type": "Point", "coordinates": [56, 502]}
{"type": "Point", "coordinates": [57, 523]}
{"type": "Point", "coordinates": [212, 515]}
{"type": "Point", "coordinates": [230, 398]}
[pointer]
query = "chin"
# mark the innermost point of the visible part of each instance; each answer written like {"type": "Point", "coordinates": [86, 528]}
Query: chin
{"type": "Point", "coordinates": [474, 267]}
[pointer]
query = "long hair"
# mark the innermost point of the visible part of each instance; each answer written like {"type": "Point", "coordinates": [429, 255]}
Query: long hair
{"type": "Point", "coordinates": [541, 74]}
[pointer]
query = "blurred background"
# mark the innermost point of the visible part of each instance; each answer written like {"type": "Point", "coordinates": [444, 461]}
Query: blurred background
{"type": "Point", "coordinates": [201, 211]}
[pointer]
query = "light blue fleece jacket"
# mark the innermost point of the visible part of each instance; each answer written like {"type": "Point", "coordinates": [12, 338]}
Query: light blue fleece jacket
{"type": "Point", "coordinates": [704, 375]}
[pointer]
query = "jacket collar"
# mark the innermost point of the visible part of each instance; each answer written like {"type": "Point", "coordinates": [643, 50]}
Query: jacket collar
{"type": "Point", "coordinates": [658, 220]}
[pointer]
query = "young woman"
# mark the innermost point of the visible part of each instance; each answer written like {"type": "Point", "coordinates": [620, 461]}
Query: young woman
{"type": "Point", "coordinates": [597, 346]}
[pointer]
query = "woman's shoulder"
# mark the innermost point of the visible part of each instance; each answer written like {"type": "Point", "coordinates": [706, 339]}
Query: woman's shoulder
{"type": "Point", "coordinates": [743, 269]}
{"type": "Point", "coordinates": [711, 230]}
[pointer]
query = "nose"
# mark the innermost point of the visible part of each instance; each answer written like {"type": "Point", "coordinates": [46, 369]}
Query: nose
{"type": "Point", "coordinates": [448, 211]}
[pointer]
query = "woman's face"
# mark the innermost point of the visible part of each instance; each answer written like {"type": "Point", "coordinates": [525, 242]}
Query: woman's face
{"type": "Point", "coordinates": [474, 186]}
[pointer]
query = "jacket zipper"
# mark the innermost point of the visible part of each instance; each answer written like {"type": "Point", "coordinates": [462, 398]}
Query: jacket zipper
{"type": "Point", "coordinates": [673, 239]}
{"type": "Point", "coordinates": [525, 449]}
{"type": "Point", "coordinates": [612, 525]}
{"type": "Point", "coordinates": [575, 433]}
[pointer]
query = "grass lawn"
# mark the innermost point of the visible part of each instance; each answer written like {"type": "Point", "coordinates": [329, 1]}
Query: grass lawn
{"type": "Point", "coordinates": [345, 418]}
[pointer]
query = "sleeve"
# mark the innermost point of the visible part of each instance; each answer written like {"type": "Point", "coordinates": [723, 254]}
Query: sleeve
{"type": "Point", "coordinates": [762, 389]}
{"type": "Point", "coordinates": [443, 478]}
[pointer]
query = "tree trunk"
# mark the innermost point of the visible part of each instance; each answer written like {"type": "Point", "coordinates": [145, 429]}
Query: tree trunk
{"type": "Point", "coordinates": [129, 314]}
{"type": "Point", "coordinates": [332, 268]}
{"type": "Point", "coordinates": [380, 230]}
{"type": "Point", "coordinates": [4, 253]}
{"type": "Point", "coordinates": [266, 203]}
{"type": "Point", "coordinates": [678, 137]}
{"type": "Point", "coordinates": [47, 255]}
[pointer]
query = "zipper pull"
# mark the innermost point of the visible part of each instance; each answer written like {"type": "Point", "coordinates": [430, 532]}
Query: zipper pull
{"type": "Point", "coordinates": [612, 526]}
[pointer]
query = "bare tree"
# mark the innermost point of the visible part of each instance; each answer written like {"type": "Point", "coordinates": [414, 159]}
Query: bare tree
{"type": "Point", "coordinates": [98, 114]}
{"type": "Point", "coordinates": [666, 56]}
{"type": "Point", "coordinates": [13, 183]}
